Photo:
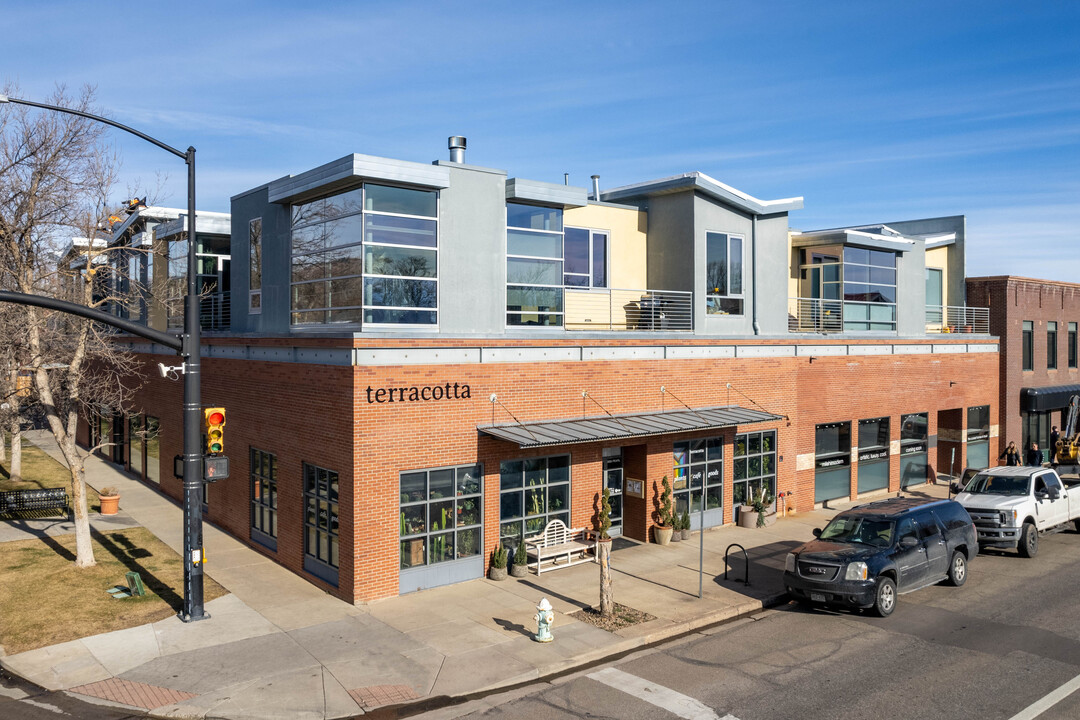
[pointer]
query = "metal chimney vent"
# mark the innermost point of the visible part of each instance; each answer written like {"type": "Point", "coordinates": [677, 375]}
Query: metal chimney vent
{"type": "Point", "coordinates": [596, 187]}
{"type": "Point", "coordinates": [456, 143]}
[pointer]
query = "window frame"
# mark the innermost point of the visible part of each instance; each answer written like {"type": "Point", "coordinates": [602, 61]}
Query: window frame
{"type": "Point", "coordinates": [326, 570]}
{"type": "Point", "coordinates": [560, 314]}
{"type": "Point", "coordinates": [748, 478]}
{"type": "Point", "coordinates": [564, 513]}
{"type": "Point", "coordinates": [255, 254]}
{"type": "Point", "coordinates": [1051, 345]}
{"type": "Point", "coordinates": [263, 503]}
{"type": "Point", "coordinates": [593, 234]}
{"type": "Point", "coordinates": [1027, 347]}
{"type": "Point", "coordinates": [362, 214]}
{"type": "Point", "coordinates": [714, 298]}
{"type": "Point", "coordinates": [1072, 345]}
{"type": "Point", "coordinates": [429, 536]}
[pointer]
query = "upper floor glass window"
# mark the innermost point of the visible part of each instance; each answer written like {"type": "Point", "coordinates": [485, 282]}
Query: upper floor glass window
{"type": "Point", "coordinates": [1072, 345]}
{"type": "Point", "coordinates": [723, 274]}
{"type": "Point", "coordinates": [1028, 348]}
{"type": "Point", "coordinates": [869, 290]}
{"type": "Point", "coordinates": [934, 287]}
{"type": "Point", "coordinates": [584, 258]}
{"type": "Point", "coordinates": [255, 266]}
{"type": "Point", "coordinates": [534, 265]}
{"type": "Point", "coordinates": [366, 256]}
{"type": "Point", "coordinates": [1051, 345]}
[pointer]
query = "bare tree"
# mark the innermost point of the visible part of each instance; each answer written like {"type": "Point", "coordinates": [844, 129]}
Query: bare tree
{"type": "Point", "coordinates": [55, 178]}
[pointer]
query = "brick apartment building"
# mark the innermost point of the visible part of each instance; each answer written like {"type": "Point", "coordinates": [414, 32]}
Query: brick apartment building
{"type": "Point", "coordinates": [424, 360]}
{"type": "Point", "coordinates": [1036, 321]}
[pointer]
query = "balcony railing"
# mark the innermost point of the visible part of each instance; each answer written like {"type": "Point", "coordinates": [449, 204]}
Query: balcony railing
{"type": "Point", "coordinates": [214, 309]}
{"type": "Point", "coordinates": [814, 315]}
{"type": "Point", "coordinates": [957, 319]}
{"type": "Point", "coordinates": [632, 310]}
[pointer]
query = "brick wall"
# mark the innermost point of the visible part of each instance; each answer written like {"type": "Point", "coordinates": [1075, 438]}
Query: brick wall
{"type": "Point", "coordinates": [321, 414]}
{"type": "Point", "coordinates": [1012, 300]}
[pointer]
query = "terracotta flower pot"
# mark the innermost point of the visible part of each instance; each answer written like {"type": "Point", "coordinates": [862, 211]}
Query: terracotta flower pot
{"type": "Point", "coordinates": [662, 534]}
{"type": "Point", "coordinates": [110, 504]}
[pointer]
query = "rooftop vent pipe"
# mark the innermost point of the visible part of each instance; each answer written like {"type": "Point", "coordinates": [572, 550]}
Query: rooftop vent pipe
{"type": "Point", "coordinates": [456, 143]}
{"type": "Point", "coordinates": [596, 187]}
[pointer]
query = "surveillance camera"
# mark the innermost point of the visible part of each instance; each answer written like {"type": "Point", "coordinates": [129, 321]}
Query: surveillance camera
{"type": "Point", "coordinates": [163, 369]}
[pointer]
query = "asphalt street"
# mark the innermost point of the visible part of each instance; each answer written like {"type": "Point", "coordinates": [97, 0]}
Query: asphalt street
{"type": "Point", "coordinates": [1005, 645]}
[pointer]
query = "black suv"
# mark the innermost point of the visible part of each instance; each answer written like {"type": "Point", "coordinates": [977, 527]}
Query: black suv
{"type": "Point", "coordinates": [865, 556]}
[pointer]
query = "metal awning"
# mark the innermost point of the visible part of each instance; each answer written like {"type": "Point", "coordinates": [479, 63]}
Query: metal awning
{"type": "Point", "coordinates": [1041, 399]}
{"type": "Point", "coordinates": [613, 427]}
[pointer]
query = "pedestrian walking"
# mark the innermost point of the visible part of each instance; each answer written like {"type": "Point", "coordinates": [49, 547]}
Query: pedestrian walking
{"type": "Point", "coordinates": [1011, 454]}
{"type": "Point", "coordinates": [1054, 437]}
{"type": "Point", "coordinates": [1034, 455]}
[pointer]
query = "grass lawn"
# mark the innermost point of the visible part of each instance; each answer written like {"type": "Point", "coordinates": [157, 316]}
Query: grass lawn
{"type": "Point", "coordinates": [41, 471]}
{"type": "Point", "coordinates": [47, 600]}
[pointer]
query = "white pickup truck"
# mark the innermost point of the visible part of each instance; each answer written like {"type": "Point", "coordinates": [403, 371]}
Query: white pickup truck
{"type": "Point", "coordinates": [1012, 506]}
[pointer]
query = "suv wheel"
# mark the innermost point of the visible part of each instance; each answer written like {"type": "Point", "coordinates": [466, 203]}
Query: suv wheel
{"type": "Point", "coordinates": [958, 569]}
{"type": "Point", "coordinates": [885, 598]}
{"type": "Point", "coordinates": [1029, 541]}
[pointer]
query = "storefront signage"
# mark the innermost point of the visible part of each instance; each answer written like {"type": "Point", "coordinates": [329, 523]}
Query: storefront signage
{"type": "Point", "coordinates": [418, 393]}
{"type": "Point", "coordinates": [714, 474]}
{"type": "Point", "coordinates": [874, 454]}
{"type": "Point", "coordinates": [833, 461]}
{"type": "Point", "coordinates": [913, 448]}
{"type": "Point", "coordinates": [977, 435]}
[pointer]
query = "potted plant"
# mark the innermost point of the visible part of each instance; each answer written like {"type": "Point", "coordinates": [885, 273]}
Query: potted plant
{"type": "Point", "coordinates": [497, 571]}
{"type": "Point", "coordinates": [603, 555]}
{"type": "Point", "coordinates": [520, 568]}
{"type": "Point", "coordinates": [663, 531]}
{"type": "Point", "coordinates": [110, 500]}
{"type": "Point", "coordinates": [753, 515]}
{"type": "Point", "coordinates": [685, 525]}
{"type": "Point", "coordinates": [676, 527]}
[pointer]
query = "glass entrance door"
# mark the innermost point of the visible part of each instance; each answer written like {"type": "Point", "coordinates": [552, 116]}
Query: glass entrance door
{"type": "Point", "coordinates": [613, 481]}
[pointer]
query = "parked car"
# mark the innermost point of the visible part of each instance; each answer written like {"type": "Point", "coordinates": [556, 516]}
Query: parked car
{"type": "Point", "coordinates": [1013, 506]}
{"type": "Point", "coordinates": [868, 555]}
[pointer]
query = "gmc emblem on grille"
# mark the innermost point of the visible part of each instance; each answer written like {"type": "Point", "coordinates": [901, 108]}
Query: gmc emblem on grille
{"type": "Point", "coordinates": [816, 570]}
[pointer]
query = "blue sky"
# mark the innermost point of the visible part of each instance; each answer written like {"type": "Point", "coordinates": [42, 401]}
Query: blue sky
{"type": "Point", "coordinates": [872, 111]}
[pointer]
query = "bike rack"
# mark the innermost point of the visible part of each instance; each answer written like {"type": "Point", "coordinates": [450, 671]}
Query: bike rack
{"type": "Point", "coordinates": [746, 563]}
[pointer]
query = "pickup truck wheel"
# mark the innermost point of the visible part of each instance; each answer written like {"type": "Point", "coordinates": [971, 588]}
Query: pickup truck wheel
{"type": "Point", "coordinates": [958, 569]}
{"type": "Point", "coordinates": [885, 598]}
{"type": "Point", "coordinates": [1029, 541]}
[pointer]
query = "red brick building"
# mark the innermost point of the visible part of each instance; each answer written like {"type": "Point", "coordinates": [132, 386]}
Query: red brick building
{"type": "Point", "coordinates": [1036, 322]}
{"type": "Point", "coordinates": [424, 361]}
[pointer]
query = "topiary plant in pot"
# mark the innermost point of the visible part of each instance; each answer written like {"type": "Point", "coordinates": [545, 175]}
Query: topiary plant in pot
{"type": "Point", "coordinates": [684, 526]}
{"type": "Point", "coordinates": [663, 531]}
{"type": "Point", "coordinates": [520, 568]}
{"type": "Point", "coordinates": [497, 570]}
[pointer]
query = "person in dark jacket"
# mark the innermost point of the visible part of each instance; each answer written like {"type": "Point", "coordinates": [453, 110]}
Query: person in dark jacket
{"type": "Point", "coordinates": [1054, 437]}
{"type": "Point", "coordinates": [1034, 456]}
{"type": "Point", "coordinates": [1011, 454]}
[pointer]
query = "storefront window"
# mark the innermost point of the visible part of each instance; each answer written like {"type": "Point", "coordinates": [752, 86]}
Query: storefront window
{"type": "Point", "coordinates": [978, 437]}
{"type": "Point", "coordinates": [153, 449]}
{"type": "Point", "coordinates": [321, 522]}
{"type": "Point", "coordinates": [832, 460]}
{"type": "Point", "coordinates": [873, 454]}
{"type": "Point", "coordinates": [696, 462]}
{"type": "Point", "coordinates": [755, 466]}
{"type": "Point", "coordinates": [135, 439]}
{"type": "Point", "coordinates": [914, 437]}
{"type": "Point", "coordinates": [531, 493]}
{"type": "Point", "coordinates": [264, 497]}
{"type": "Point", "coordinates": [441, 515]}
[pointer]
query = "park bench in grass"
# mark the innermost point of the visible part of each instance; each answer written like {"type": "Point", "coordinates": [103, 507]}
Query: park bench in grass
{"type": "Point", "coordinates": [560, 546]}
{"type": "Point", "coordinates": [33, 502]}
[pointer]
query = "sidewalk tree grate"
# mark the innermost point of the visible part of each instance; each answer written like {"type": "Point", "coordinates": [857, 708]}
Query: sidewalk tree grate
{"type": "Point", "coordinates": [379, 695]}
{"type": "Point", "coordinates": [135, 694]}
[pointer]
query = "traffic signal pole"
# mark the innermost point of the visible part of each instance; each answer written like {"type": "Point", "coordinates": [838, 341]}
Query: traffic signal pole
{"type": "Point", "coordinates": [193, 417]}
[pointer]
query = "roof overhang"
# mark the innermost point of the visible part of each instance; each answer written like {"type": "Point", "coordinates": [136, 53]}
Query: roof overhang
{"type": "Point", "coordinates": [706, 185]}
{"type": "Point", "coordinates": [615, 427]}
{"type": "Point", "coordinates": [542, 193]}
{"type": "Point", "coordinates": [1041, 399]}
{"type": "Point", "coordinates": [856, 238]}
{"type": "Point", "coordinates": [350, 171]}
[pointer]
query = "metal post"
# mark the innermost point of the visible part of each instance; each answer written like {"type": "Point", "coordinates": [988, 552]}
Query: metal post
{"type": "Point", "coordinates": [701, 542]}
{"type": "Point", "coordinates": [193, 539]}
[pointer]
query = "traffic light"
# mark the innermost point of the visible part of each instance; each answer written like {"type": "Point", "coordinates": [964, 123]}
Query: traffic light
{"type": "Point", "coordinates": [215, 430]}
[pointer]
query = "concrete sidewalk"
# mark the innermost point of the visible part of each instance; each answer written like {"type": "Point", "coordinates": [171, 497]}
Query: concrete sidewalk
{"type": "Point", "coordinates": [278, 647]}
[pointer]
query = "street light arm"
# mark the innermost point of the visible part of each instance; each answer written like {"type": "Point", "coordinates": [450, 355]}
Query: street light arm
{"type": "Point", "coordinates": [98, 118]}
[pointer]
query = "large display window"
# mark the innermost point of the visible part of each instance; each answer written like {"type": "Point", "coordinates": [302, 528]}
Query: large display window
{"type": "Point", "coordinates": [873, 454]}
{"type": "Point", "coordinates": [832, 461]}
{"type": "Point", "coordinates": [441, 515]}
{"type": "Point", "coordinates": [914, 441]}
{"type": "Point", "coordinates": [699, 464]}
{"type": "Point", "coordinates": [531, 493]}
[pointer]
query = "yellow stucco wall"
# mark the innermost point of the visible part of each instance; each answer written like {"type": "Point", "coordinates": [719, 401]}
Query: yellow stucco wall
{"type": "Point", "coordinates": [939, 258]}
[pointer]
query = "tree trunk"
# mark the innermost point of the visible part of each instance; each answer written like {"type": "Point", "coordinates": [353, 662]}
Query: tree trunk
{"type": "Point", "coordinates": [603, 554]}
{"type": "Point", "coordinates": [15, 466]}
{"type": "Point", "coordinates": [3, 445]}
{"type": "Point", "coordinates": [84, 551]}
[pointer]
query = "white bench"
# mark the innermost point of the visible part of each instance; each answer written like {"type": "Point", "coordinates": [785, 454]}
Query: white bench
{"type": "Point", "coordinates": [561, 545]}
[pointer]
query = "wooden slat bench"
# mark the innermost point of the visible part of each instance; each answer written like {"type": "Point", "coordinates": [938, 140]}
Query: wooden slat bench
{"type": "Point", "coordinates": [33, 502]}
{"type": "Point", "coordinates": [561, 546]}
